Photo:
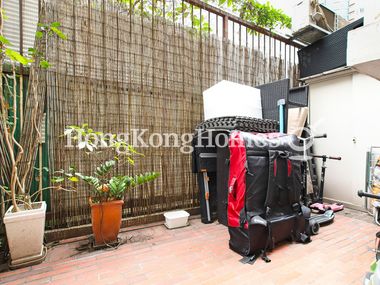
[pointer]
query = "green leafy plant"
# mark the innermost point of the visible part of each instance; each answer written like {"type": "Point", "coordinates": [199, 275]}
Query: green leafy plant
{"type": "Point", "coordinates": [261, 14]}
{"type": "Point", "coordinates": [105, 184]}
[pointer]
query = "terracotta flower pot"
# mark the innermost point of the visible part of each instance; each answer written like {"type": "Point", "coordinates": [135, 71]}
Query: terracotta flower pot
{"type": "Point", "coordinates": [106, 221]}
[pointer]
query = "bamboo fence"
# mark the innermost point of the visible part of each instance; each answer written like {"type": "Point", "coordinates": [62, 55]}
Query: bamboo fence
{"type": "Point", "coordinates": [118, 71]}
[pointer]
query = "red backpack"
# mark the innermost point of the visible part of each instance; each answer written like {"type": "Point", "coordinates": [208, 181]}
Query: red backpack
{"type": "Point", "coordinates": [264, 191]}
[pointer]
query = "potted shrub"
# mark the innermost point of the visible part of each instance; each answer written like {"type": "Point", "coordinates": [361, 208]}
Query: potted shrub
{"type": "Point", "coordinates": [107, 188]}
{"type": "Point", "coordinates": [25, 218]}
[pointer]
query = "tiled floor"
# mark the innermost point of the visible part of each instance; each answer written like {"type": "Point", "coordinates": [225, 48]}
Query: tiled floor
{"type": "Point", "coordinates": [199, 254]}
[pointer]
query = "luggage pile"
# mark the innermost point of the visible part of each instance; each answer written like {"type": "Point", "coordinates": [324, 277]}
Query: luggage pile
{"type": "Point", "coordinates": [264, 194]}
{"type": "Point", "coordinates": [211, 156]}
{"type": "Point", "coordinates": [249, 176]}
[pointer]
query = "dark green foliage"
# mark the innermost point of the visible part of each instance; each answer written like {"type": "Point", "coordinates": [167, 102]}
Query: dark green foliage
{"type": "Point", "coordinates": [105, 168]}
{"type": "Point", "coordinates": [263, 15]}
{"type": "Point", "coordinates": [104, 184]}
{"type": "Point", "coordinates": [118, 185]}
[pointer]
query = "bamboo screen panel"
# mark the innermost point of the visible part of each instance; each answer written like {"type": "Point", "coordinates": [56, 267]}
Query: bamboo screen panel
{"type": "Point", "coordinates": [119, 72]}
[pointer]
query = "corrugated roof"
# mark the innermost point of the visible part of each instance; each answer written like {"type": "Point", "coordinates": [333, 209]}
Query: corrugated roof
{"type": "Point", "coordinates": [11, 28]}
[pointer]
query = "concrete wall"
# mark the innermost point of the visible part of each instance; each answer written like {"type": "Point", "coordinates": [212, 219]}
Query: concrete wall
{"type": "Point", "coordinates": [345, 107]}
{"type": "Point", "coordinates": [363, 52]}
{"type": "Point", "coordinates": [369, 9]}
{"type": "Point", "coordinates": [326, 116]}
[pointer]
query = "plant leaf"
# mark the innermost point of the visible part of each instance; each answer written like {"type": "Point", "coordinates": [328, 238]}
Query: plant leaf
{"type": "Point", "coordinates": [131, 161]}
{"type": "Point", "coordinates": [57, 179]}
{"type": "Point", "coordinates": [5, 41]}
{"type": "Point", "coordinates": [59, 33]}
{"type": "Point", "coordinates": [39, 34]}
{"type": "Point", "coordinates": [74, 179]}
{"type": "Point", "coordinates": [45, 64]}
{"type": "Point", "coordinates": [15, 56]}
{"type": "Point", "coordinates": [55, 24]}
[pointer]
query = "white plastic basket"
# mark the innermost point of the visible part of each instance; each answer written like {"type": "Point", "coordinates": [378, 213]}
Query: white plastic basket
{"type": "Point", "coordinates": [176, 219]}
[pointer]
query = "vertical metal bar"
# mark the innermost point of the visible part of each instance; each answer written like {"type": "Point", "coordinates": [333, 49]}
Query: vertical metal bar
{"type": "Point", "coordinates": [173, 12]}
{"type": "Point", "coordinates": [200, 21]}
{"type": "Point", "coordinates": [270, 60]}
{"type": "Point", "coordinates": [192, 16]}
{"type": "Point", "coordinates": [265, 45]}
{"type": "Point", "coordinates": [225, 27]}
{"type": "Point", "coordinates": [295, 64]}
{"type": "Point", "coordinates": [274, 47]}
{"type": "Point", "coordinates": [183, 13]}
{"type": "Point", "coordinates": [239, 35]}
{"type": "Point", "coordinates": [21, 23]}
{"type": "Point", "coordinates": [265, 60]}
{"type": "Point", "coordinates": [233, 32]}
{"type": "Point", "coordinates": [286, 63]}
{"type": "Point", "coordinates": [258, 42]}
{"type": "Point", "coordinates": [246, 36]}
{"type": "Point", "coordinates": [217, 26]}
{"type": "Point", "coordinates": [270, 48]}
{"type": "Point", "coordinates": [290, 61]}
{"type": "Point", "coordinates": [281, 62]}
{"type": "Point", "coordinates": [21, 100]}
{"type": "Point", "coordinates": [253, 40]}
{"type": "Point", "coordinates": [164, 8]}
{"type": "Point", "coordinates": [209, 24]}
{"type": "Point", "coordinates": [286, 116]}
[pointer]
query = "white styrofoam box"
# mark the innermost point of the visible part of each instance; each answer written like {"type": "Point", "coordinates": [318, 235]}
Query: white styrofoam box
{"type": "Point", "coordinates": [176, 219]}
{"type": "Point", "coordinates": [232, 99]}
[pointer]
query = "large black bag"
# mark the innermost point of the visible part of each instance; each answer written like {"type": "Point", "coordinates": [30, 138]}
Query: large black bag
{"type": "Point", "coordinates": [264, 193]}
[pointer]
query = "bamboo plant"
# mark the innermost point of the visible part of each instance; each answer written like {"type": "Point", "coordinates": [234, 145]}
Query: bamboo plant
{"type": "Point", "coordinates": [12, 153]}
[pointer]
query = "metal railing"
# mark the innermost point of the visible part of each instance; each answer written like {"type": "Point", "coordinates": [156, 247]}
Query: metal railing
{"type": "Point", "coordinates": [229, 27]}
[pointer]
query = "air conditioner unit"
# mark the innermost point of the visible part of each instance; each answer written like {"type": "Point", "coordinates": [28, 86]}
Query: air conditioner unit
{"type": "Point", "coordinates": [314, 21]}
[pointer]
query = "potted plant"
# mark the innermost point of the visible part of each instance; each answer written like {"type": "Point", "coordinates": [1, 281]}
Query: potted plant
{"type": "Point", "coordinates": [25, 218]}
{"type": "Point", "coordinates": [107, 187]}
